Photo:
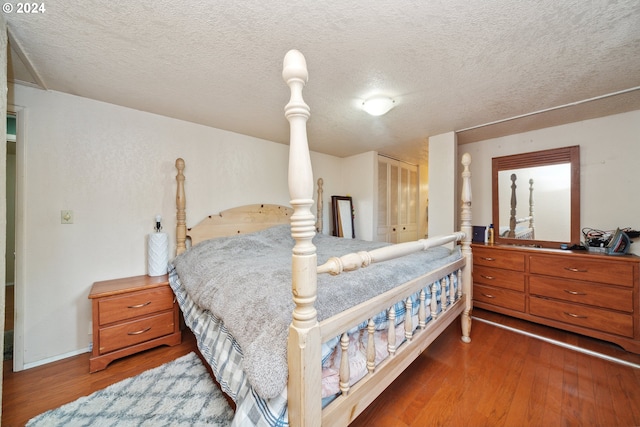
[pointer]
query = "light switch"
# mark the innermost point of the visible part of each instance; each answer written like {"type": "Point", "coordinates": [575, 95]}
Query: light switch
{"type": "Point", "coordinates": [66, 217]}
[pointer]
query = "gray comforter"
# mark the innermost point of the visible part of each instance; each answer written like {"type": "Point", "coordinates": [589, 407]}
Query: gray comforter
{"type": "Point", "coordinates": [246, 281]}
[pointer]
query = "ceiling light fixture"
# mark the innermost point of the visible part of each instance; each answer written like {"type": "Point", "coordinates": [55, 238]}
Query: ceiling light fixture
{"type": "Point", "coordinates": [378, 105]}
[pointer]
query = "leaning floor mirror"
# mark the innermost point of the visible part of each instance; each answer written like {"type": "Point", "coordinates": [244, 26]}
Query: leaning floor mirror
{"type": "Point", "coordinates": [342, 215]}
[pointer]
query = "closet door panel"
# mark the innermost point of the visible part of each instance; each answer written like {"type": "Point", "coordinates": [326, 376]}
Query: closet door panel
{"type": "Point", "coordinates": [397, 201]}
{"type": "Point", "coordinates": [383, 227]}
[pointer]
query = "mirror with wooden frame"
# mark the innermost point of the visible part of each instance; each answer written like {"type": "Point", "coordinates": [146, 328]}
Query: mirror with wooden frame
{"type": "Point", "coordinates": [536, 198]}
{"type": "Point", "coordinates": [342, 215]}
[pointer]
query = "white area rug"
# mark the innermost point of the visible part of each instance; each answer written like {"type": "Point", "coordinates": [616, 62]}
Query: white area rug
{"type": "Point", "coordinates": [178, 393]}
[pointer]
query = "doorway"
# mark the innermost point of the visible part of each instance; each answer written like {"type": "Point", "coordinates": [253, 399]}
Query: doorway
{"type": "Point", "coordinates": [10, 239]}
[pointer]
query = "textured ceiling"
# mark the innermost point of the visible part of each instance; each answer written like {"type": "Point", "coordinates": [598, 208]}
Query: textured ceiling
{"type": "Point", "coordinates": [449, 64]}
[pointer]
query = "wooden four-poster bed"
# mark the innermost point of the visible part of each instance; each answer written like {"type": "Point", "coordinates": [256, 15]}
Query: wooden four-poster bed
{"type": "Point", "coordinates": [305, 329]}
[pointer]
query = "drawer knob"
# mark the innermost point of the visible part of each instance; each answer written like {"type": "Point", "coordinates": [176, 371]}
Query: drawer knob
{"type": "Point", "coordinates": [488, 295]}
{"type": "Point", "coordinates": [488, 258]}
{"type": "Point", "coordinates": [575, 270]}
{"type": "Point", "coordinates": [575, 316]}
{"type": "Point", "coordinates": [487, 277]}
{"type": "Point", "coordinates": [574, 292]}
{"type": "Point", "coordinates": [140, 305]}
{"type": "Point", "coordinates": [139, 332]}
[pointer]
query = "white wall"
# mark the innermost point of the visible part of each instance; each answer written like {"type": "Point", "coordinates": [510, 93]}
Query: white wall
{"type": "Point", "coordinates": [360, 182]}
{"type": "Point", "coordinates": [114, 167]}
{"type": "Point", "coordinates": [443, 194]}
{"type": "Point", "coordinates": [609, 178]}
{"type": "Point", "coordinates": [423, 199]}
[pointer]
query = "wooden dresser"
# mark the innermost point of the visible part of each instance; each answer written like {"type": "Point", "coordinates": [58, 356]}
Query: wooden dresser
{"type": "Point", "coordinates": [590, 294]}
{"type": "Point", "coordinates": [131, 315]}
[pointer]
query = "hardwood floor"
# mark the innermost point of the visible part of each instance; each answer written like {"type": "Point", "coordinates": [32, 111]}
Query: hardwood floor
{"type": "Point", "coordinates": [9, 296]}
{"type": "Point", "coordinates": [28, 393]}
{"type": "Point", "coordinates": [503, 378]}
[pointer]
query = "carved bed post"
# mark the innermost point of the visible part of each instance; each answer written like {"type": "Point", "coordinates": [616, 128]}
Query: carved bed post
{"type": "Point", "coordinates": [466, 228]}
{"type": "Point", "coordinates": [303, 349]}
{"type": "Point", "coordinates": [531, 225]}
{"type": "Point", "coordinates": [514, 203]}
{"type": "Point", "coordinates": [320, 203]}
{"type": "Point", "coordinates": [181, 216]}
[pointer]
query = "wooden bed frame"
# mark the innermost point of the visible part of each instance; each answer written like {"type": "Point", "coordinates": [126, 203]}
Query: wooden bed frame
{"type": "Point", "coordinates": [514, 221]}
{"type": "Point", "coordinates": [306, 334]}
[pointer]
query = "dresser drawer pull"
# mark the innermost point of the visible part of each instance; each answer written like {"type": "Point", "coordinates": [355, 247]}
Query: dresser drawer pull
{"type": "Point", "coordinates": [486, 258]}
{"type": "Point", "coordinates": [574, 292]}
{"type": "Point", "coordinates": [575, 270]}
{"type": "Point", "coordinates": [140, 305]}
{"type": "Point", "coordinates": [488, 295]}
{"type": "Point", "coordinates": [575, 316]}
{"type": "Point", "coordinates": [487, 277]}
{"type": "Point", "coordinates": [140, 332]}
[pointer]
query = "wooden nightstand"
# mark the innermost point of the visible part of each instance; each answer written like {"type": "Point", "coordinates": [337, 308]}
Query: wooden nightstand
{"type": "Point", "coordinates": [131, 315]}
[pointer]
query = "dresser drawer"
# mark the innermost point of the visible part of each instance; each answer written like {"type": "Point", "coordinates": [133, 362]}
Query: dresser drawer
{"type": "Point", "coordinates": [587, 317]}
{"type": "Point", "coordinates": [135, 304]}
{"type": "Point", "coordinates": [500, 278]}
{"type": "Point", "coordinates": [500, 259]}
{"type": "Point", "coordinates": [500, 297]}
{"type": "Point", "coordinates": [592, 270]}
{"type": "Point", "coordinates": [620, 299]}
{"type": "Point", "coordinates": [134, 332]}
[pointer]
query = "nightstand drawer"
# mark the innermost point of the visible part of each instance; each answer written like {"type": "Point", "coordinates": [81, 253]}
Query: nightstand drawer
{"type": "Point", "coordinates": [498, 258]}
{"type": "Point", "coordinates": [499, 297]}
{"type": "Point", "coordinates": [506, 279]}
{"type": "Point", "coordinates": [130, 315]}
{"type": "Point", "coordinates": [130, 333]}
{"type": "Point", "coordinates": [620, 299]}
{"type": "Point", "coordinates": [587, 317]}
{"type": "Point", "coordinates": [135, 304]}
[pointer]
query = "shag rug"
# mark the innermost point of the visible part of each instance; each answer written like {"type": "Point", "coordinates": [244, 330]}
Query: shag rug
{"type": "Point", "coordinates": [178, 393]}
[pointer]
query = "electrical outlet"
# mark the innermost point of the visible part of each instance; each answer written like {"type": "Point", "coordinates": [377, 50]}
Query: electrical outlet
{"type": "Point", "coordinates": [66, 217]}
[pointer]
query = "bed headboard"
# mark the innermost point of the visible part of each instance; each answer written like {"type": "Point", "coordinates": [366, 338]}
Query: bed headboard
{"type": "Point", "coordinates": [238, 220]}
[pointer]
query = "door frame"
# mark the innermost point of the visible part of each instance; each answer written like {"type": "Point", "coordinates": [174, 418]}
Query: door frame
{"type": "Point", "coordinates": [20, 270]}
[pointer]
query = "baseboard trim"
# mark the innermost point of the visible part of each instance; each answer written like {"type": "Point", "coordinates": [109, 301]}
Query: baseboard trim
{"type": "Point", "coordinates": [560, 343]}
{"type": "Point", "coordinates": [55, 358]}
